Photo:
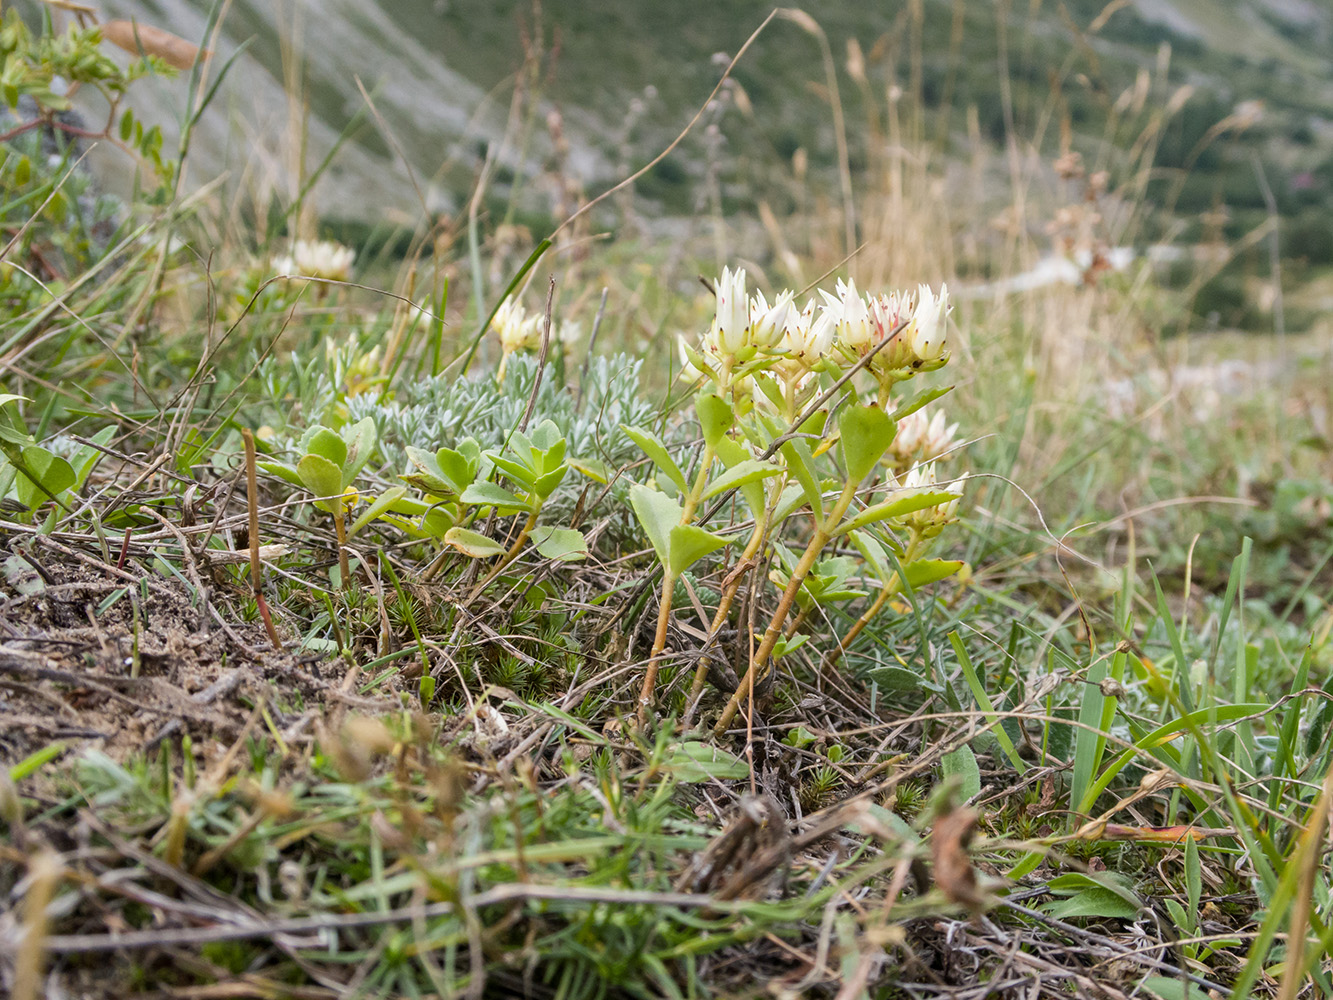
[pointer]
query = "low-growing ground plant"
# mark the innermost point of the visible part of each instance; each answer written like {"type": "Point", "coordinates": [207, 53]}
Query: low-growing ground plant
{"type": "Point", "coordinates": [698, 670]}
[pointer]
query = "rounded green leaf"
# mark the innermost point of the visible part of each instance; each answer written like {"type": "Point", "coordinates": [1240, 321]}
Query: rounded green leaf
{"type": "Point", "coordinates": [657, 514]}
{"type": "Point", "coordinates": [564, 544]}
{"type": "Point", "coordinates": [866, 433]}
{"type": "Point", "coordinates": [42, 476]}
{"type": "Point", "coordinates": [329, 446]}
{"type": "Point", "coordinates": [715, 417]}
{"type": "Point", "coordinates": [688, 544]}
{"type": "Point", "coordinates": [322, 478]}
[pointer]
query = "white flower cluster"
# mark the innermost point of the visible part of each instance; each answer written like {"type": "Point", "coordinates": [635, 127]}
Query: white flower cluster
{"type": "Point", "coordinates": [931, 520]}
{"type": "Point", "coordinates": [922, 438]}
{"type": "Point", "coordinates": [836, 331]}
{"type": "Point", "coordinates": [317, 259]}
{"type": "Point", "coordinates": [517, 328]}
{"type": "Point", "coordinates": [781, 349]}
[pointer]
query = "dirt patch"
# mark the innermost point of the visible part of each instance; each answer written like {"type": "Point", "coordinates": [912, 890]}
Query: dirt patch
{"type": "Point", "coordinates": [121, 658]}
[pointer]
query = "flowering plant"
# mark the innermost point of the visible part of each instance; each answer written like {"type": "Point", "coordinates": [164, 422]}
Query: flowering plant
{"type": "Point", "coordinates": [784, 389]}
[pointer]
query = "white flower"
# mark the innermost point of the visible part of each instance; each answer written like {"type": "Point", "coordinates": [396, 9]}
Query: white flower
{"type": "Point", "coordinates": [767, 324]}
{"type": "Point", "coordinates": [886, 312]}
{"type": "Point", "coordinates": [929, 323]}
{"type": "Point", "coordinates": [730, 330]}
{"type": "Point", "coordinates": [322, 259]}
{"type": "Point", "coordinates": [931, 520]}
{"type": "Point", "coordinates": [923, 438]}
{"type": "Point", "coordinates": [807, 337]}
{"type": "Point", "coordinates": [516, 328]}
{"type": "Point", "coordinates": [849, 315]}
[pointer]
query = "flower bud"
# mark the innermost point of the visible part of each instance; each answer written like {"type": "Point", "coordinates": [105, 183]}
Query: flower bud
{"type": "Point", "coordinates": [929, 323]}
{"type": "Point", "coordinates": [731, 325]}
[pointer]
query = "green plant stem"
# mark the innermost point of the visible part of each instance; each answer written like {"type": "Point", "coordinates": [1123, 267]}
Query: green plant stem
{"type": "Point", "coordinates": [506, 559]}
{"type": "Point", "coordinates": [822, 536]}
{"type": "Point", "coordinates": [893, 586]}
{"type": "Point", "coordinates": [723, 609]}
{"type": "Point", "coordinates": [668, 591]}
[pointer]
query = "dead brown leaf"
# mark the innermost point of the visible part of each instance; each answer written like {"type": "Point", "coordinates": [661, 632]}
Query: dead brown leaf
{"type": "Point", "coordinates": [954, 873]}
{"type": "Point", "coordinates": [135, 38]}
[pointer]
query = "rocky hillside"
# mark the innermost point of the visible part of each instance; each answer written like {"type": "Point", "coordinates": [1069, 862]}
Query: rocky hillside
{"type": "Point", "coordinates": [626, 74]}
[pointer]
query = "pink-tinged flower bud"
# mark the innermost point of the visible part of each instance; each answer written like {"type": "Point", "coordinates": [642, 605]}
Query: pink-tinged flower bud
{"type": "Point", "coordinates": [929, 323]}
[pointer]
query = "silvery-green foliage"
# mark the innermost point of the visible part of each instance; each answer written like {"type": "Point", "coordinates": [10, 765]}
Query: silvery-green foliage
{"type": "Point", "coordinates": [439, 412]}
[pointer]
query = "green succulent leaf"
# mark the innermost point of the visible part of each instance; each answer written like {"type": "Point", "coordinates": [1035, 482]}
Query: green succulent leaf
{"type": "Point", "coordinates": [322, 478]}
{"type": "Point", "coordinates": [515, 469]}
{"type": "Point", "coordinates": [459, 465]}
{"type": "Point", "coordinates": [895, 507]}
{"type": "Point", "coordinates": [282, 471]}
{"type": "Point", "coordinates": [866, 433]}
{"type": "Point", "coordinates": [922, 398]}
{"type": "Point", "coordinates": [801, 464]}
{"type": "Point", "coordinates": [380, 505]}
{"type": "Point", "coordinates": [715, 417]}
{"type": "Point", "coordinates": [563, 544]}
{"type": "Point", "coordinates": [594, 468]}
{"type": "Point", "coordinates": [924, 572]}
{"type": "Point", "coordinates": [652, 446]}
{"type": "Point", "coordinates": [490, 495]}
{"type": "Point", "coordinates": [733, 453]}
{"type": "Point", "coordinates": [328, 445]}
{"type": "Point", "coordinates": [688, 544]}
{"type": "Point", "coordinates": [361, 438]}
{"type": "Point", "coordinates": [426, 483]}
{"type": "Point", "coordinates": [657, 514]}
{"type": "Point", "coordinates": [546, 438]}
{"type": "Point", "coordinates": [547, 484]}
{"type": "Point", "coordinates": [437, 520]}
{"type": "Point", "coordinates": [750, 471]}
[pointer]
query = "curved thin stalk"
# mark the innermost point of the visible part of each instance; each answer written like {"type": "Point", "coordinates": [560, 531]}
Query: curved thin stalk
{"type": "Point", "coordinates": [823, 534]}
{"type": "Point", "coordinates": [891, 587]}
{"type": "Point", "coordinates": [720, 617]}
{"type": "Point", "coordinates": [668, 591]}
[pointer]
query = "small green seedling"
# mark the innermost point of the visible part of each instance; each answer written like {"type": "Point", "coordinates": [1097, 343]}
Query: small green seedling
{"type": "Point", "coordinates": [535, 466]}
{"type": "Point", "coordinates": [329, 463]}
